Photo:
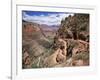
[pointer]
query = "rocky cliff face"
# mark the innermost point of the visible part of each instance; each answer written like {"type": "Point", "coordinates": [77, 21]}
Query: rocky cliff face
{"type": "Point", "coordinates": [75, 31]}
{"type": "Point", "coordinates": [76, 27]}
{"type": "Point", "coordinates": [34, 43]}
{"type": "Point", "coordinates": [28, 28]}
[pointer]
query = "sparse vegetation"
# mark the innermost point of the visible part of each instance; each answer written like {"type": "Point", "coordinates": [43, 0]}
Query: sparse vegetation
{"type": "Point", "coordinates": [68, 46]}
